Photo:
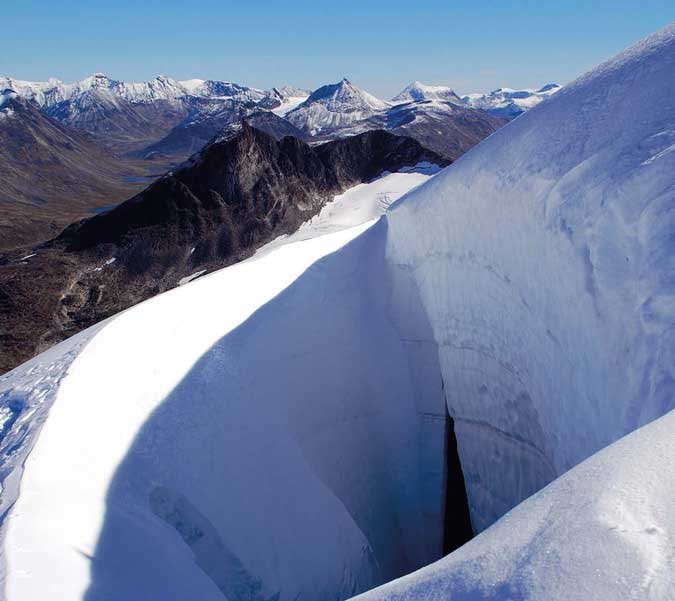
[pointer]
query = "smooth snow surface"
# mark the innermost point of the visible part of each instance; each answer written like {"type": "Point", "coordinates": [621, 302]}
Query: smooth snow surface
{"type": "Point", "coordinates": [275, 430]}
{"type": "Point", "coordinates": [288, 104]}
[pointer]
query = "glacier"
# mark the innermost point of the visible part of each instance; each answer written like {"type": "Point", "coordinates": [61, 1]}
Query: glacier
{"type": "Point", "coordinates": [276, 430]}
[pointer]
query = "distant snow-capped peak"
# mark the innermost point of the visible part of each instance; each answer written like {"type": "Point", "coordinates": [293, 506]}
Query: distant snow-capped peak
{"type": "Point", "coordinates": [418, 91]}
{"type": "Point", "coordinates": [508, 102]}
{"type": "Point", "coordinates": [344, 95]}
{"type": "Point", "coordinates": [334, 106]}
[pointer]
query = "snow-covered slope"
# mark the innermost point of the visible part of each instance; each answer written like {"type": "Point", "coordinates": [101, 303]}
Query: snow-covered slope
{"type": "Point", "coordinates": [119, 496]}
{"type": "Point", "coordinates": [419, 91]}
{"type": "Point", "coordinates": [275, 430]}
{"type": "Point", "coordinates": [506, 102]}
{"type": "Point", "coordinates": [290, 98]}
{"type": "Point", "coordinates": [334, 106]}
{"type": "Point", "coordinates": [544, 262]}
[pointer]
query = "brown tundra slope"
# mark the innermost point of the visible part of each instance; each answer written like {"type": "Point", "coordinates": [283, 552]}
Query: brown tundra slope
{"type": "Point", "coordinates": [52, 174]}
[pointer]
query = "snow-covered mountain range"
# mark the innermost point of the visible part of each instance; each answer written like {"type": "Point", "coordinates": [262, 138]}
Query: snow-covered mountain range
{"type": "Point", "coordinates": [433, 115]}
{"type": "Point", "coordinates": [136, 116]}
{"type": "Point", "coordinates": [133, 116]}
{"type": "Point", "coordinates": [281, 429]}
{"type": "Point", "coordinates": [144, 129]}
{"type": "Point", "coordinates": [168, 118]}
{"type": "Point", "coordinates": [509, 103]}
{"type": "Point", "coordinates": [53, 91]}
{"type": "Point", "coordinates": [444, 127]}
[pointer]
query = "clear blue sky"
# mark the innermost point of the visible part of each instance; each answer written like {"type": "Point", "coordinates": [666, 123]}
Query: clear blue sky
{"type": "Point", "coordinates": [379, 45]}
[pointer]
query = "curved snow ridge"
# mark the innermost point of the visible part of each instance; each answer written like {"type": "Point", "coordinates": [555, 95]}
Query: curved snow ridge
{"type": "Point", "coordinates": [158, 440]}
{"type": "Point", "coordinates": [117, 382]}
{"type": "Point", "coordinates": [604, 530]}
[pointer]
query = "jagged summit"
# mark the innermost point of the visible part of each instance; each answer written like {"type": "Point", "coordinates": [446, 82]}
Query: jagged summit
{"type": "Point", "coordinates": [292, 92]}
{"type": "Point", "coordinates": [134, 117]}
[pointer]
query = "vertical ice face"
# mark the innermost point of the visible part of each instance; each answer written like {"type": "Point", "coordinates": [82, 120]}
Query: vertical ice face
{"type": "Point", "coordinates": [544, 262]}
{"type": "Point", "coordinates": [603, 530]}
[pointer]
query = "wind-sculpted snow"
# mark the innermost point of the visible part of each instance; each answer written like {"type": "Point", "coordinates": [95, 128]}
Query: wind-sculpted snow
{"type": "Point", "coordinates": [275, 430]}
{"type": "Point", "coordinates": [544, 260]}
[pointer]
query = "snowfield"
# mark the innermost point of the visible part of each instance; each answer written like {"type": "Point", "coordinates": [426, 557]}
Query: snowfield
{"type": "Point", "coordinates": [276, 430]}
